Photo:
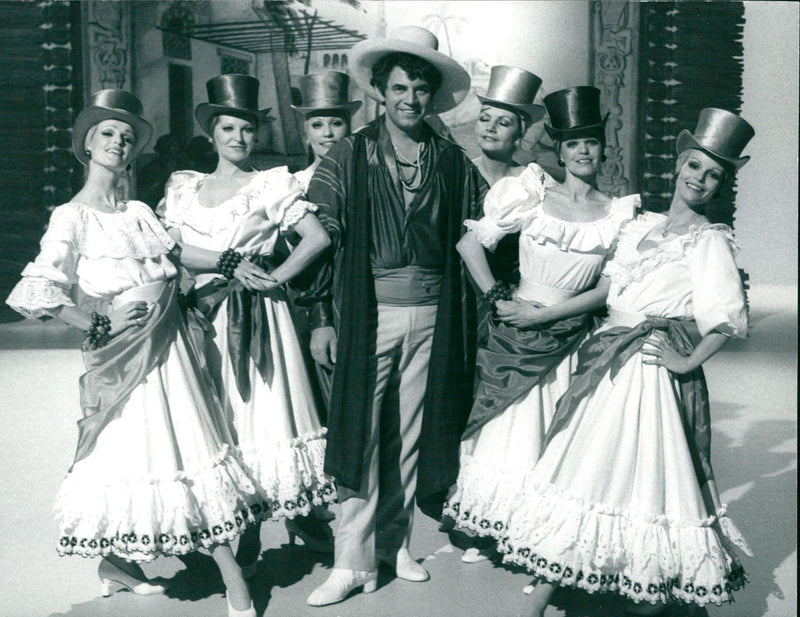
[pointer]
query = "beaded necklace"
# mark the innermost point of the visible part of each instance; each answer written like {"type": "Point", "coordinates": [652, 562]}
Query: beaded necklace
{"type": "Point", "coordinates": [421, 173]}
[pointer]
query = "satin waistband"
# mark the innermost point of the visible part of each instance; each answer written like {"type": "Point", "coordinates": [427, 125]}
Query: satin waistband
{"type": "Point", "coordinates": [623, 318]}
{"type": "Point", "coordinates": [541, 293]}
{"type": "Point", "coordinates": [144, 293]}
{"type": "Point", "coordinates": [411, 286]}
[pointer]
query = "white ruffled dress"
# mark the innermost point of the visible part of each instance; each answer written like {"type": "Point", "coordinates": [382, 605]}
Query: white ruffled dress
{"type": "Point", "coordinates": [162, 477]}
{"type": "Point", "coordinates": [614, 503]}
{"type": "Point", "coordinates": [558, 259]}
{"type": "Point", "coordinates": [278, 429]}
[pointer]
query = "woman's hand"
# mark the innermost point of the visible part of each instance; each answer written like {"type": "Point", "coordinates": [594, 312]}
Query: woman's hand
{"type": "Point", "coordinates": [659, 352]}
{"type": "Point", "coordinates": [127, 316]}
{"type": "Point", "coordinates": [253, 277]}
{"type": "Point", "coordinates": [521, 313]}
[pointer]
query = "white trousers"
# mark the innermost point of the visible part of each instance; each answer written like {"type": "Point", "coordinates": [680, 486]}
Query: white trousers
{"type": "Point", "coordinates": [376, 520]}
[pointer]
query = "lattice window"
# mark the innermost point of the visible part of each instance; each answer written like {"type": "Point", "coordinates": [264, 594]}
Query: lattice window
{"type": "Point", "coordinates": [177, 19]}
{"type": "Point", "coordinates": [232, 64]}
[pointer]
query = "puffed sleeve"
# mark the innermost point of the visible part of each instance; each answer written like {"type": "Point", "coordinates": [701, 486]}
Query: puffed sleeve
{"type": "Point", "coordinates": [282, 197]}
{"type": "Point", "coordinates": [509, 205]}
{"type": "Point", "coordinates": [717, 293]}
{"type": "Point", "coordinates": [170, 209]}
{"type": "Point", "coordinates": [47, 281]}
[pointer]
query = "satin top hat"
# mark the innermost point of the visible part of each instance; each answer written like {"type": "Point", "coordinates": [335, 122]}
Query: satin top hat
{"type": "Point", "coordinates": [233, 95]}
{"type": "Point", "coordinates": [573, 111]}
{"type": "Point", "coordinates": [325, 91]}
{"type": "Point", "coordinates": [720, 133]}
{"type": "Point", "coordinates": [510, 87]}
{"type": "Point", "coordinates": [110, 104]}
{"type": "Point", "coordinates": [417, 42]}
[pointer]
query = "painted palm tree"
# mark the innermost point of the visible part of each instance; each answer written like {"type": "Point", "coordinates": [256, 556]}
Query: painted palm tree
{"type": "Point", "coordinates": [444, 21]}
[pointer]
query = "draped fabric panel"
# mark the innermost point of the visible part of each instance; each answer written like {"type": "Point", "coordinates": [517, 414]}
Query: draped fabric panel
{"type": "Point", "coordinates": [690, 58]}
{"type": "Point", "coordinates": [40, 70]}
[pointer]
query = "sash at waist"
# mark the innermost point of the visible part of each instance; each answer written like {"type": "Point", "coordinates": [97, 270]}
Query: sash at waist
{"type": "Point", "coordinates": [143, 293]}
{"type": "Point", "coordinates": [543, 294]}
{"type": "Point", "coordinates": [409, 286]}
{"type": "Point", "coordinates": [623, 318]}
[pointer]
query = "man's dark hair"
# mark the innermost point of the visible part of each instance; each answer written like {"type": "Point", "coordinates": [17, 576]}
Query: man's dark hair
{"type": "Point", "coordinates": [414, 66]}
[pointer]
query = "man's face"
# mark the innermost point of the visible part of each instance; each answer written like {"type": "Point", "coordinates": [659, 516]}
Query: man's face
{"type": "Point", "coordinates": [407, 101]}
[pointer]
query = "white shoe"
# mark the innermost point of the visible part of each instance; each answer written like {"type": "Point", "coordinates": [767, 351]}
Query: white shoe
{"type": "Point", "coordinates": [407, 568]}
{"type": "Point", "coordinates": [339, 585]}
{"type": "Point", "coordinates": [109, 573]}
{"type": "Point", "coordinates": [474, 555]}
{"type": "Point", "coordinates": [248, 612]}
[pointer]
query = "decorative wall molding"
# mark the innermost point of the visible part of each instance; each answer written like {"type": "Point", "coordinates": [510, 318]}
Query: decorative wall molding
{"type": "Point", "coordinates": [615, 51]}
{"type": "Point", "coordinates": [107, 44]}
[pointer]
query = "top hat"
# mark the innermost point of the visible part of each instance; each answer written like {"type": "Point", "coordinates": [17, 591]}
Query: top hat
{"type": "Point", "coordinates": [721, 134]}
{"type": "Point", "coordinates": [417, 42]}
{"type": "Point", "coordinates": [230, 94]}
{"type": "Point", "coordinates": [110, 104]}
{"type": "Point", "coordinates": [514, 88]}
{"type": "Point", "coordinates": [573, 111]}
{"type": "Point", "coordinates": [325, 91]}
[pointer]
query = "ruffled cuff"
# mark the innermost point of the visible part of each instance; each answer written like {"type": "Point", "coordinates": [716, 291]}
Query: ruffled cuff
{"type": "Point", "coordinates": [295, 212]}
{"type": "Point", "coordinates": [487, 232]}
{"type": "Point", "coordinates": [36, 297]}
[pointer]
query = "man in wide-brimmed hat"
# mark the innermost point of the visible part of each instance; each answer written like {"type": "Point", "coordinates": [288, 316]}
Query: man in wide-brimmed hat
{"type": "Point", "coordinates": [404, 360]}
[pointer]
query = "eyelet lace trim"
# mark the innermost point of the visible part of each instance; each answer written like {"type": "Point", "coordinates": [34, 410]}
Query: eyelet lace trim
{"type": "Point", "coordinates": [629, 265]}
{"type": "Point", "coordinates": [34, 297]}
{"type": "Point", "coordinates": [599, 548]}
{"type": "Point", "coordinates": [291, 474]}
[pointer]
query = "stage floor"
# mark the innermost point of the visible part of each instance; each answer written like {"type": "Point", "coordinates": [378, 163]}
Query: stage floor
{"type": "Point", "coordinates": [753, 387]}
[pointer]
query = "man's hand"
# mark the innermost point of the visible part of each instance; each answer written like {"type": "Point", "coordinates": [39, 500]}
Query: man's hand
{"type": "Point", "coordinates": [323, 346]}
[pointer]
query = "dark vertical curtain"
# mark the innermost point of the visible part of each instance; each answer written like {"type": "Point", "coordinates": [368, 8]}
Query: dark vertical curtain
{"type": "Point", "coordinates": [40, 71]}
{"type": "Point", "coordinates": [690, 58]}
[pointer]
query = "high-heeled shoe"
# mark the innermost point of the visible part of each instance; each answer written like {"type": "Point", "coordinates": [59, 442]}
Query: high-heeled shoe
{"type": "Point", "coordinates": [339, 585]}
{"type": "Point", "coordinates": [248, 612]}
{"type": "Point", "coordinates": [320, 544]}
{"type": "Point", "coordinates": [109, 573]}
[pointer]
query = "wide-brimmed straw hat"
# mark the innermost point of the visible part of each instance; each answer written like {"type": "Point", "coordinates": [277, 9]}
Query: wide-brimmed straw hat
{"type": "Point", "coordinates": [573, 111]}
{"type": "Point", "coordinates": [514, 88]}
{"type": "Point", "coordinates": [110, 104]}
{"type": "Point", "coordinates": [417, 42]}
{"type": "Point", "coordinates": [231, 95]}
{"type": "Point", "coordinates": [720, 133]}
{"type": "Point", "coordinates": [325, 91]}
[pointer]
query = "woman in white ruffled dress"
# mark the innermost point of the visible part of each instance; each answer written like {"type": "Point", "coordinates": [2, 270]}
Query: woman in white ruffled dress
{"type": "Point", "coordinates": [154, 473]}
{"type": "Point", "coordinates": [567, 231]}
{"type": "Point", "coordinates": [623, 498]}
{"type": "Point", "coordinates": [235, 216]}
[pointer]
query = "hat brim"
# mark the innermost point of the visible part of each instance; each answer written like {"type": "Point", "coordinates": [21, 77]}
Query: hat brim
{"type": "Point", "coordinates": [455, 79]}
{"type": "Point", "coordinates": [91, 116]}
{"type": "Point", "coordinates": [206, 111]}
{"type": "Point", "coordinates": [571, 133]}
{"type": "Point", "coordinates": [686, 141]}
{"type": "Point", "coordinates": [534, 112]}
{"type": "Point", "coordinates": [351, 108]}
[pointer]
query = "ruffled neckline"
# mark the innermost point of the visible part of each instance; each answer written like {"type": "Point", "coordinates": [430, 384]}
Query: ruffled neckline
{"type": "Point", "coordinates": [632, 265]}
{"type": "Point", "coordinates": [208, 221]}
{"type": "Point", "coordinates": [132, 232]}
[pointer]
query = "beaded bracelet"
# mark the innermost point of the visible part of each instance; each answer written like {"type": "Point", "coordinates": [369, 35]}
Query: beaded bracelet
{"type": "Point", "coordinates": [499, 291]}
{"type": "Point", "coordinates": [97, 334]}
{"type": "Point", "coordinates": [228, 261]}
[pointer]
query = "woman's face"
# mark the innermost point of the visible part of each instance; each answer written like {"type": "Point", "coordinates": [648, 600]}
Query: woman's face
{"type": "Point", "coordinates": [233, 137]}
{"type": "Point", "coordinates": [498, 131]}
{"type": "Point", "coordinates": [324, 131]}
{"type": "Point", "coordinates": [581, 156]}
{"type": "Point", "coordinates": [111, 143]}
{"type": "Point", "coordinates": [699, 178]}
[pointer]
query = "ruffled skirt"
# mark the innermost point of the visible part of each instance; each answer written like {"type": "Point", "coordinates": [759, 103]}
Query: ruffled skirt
{"type": "Point", "coordinates": [495, 460]}
{"type": "Point", "coordinates": [614, 503]}
{"type": "Point", "coordinates": [277, 430]}
{"type": "Point", "coordinates": [162, 477]}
